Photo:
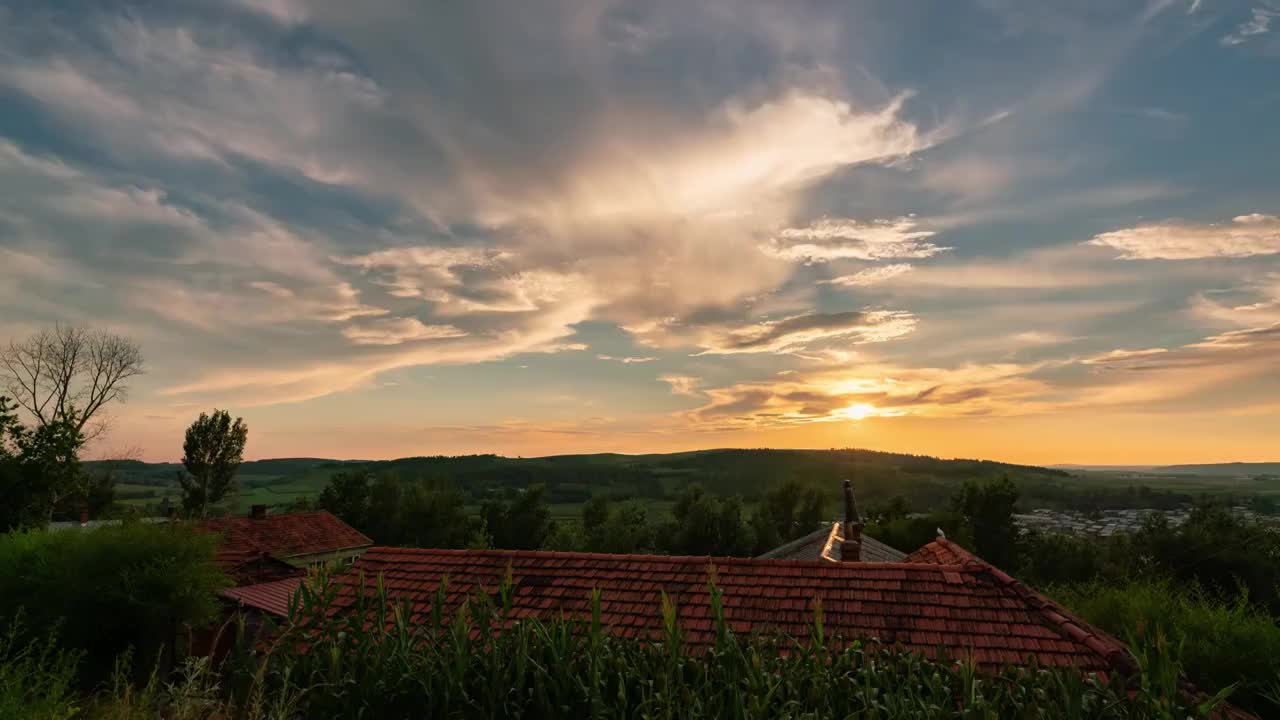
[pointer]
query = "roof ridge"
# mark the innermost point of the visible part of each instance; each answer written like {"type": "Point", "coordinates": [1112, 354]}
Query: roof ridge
{"type": "Point", "coordinates": [650, 557]}
{"type": "Point", "coordinates": [1060, 618]}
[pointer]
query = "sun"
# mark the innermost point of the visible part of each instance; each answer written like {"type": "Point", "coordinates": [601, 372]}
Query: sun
{"type": "Point", "coordinates": [858, 411]}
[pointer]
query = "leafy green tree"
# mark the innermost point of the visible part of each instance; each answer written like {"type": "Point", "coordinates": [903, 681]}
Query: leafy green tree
{"type": "Point", "coordinates": [787, 512]}
{"type": "Point", "coordinates": [622, 528]}
{"type": "Point", "coordinates": [908, 534]}
{"type": "Point", "coordinates": [706, 524]}
{"type": "Point", "coordinates": [988, 509]}
{"type": "Point", "coordinates": [435, 516]}
{"type": "Point", "coordinates": [211, 453]}
{"type": "Point", "coordinates": [595, 514]}
{"type": "Point", "coordinates": [522, 524]}
{"type": "Point", "coordinates": [347, 496]}
{"type": "Point", "coordinates": [383, 523]}
{"type": "Point", "coordinates": [40, 469]}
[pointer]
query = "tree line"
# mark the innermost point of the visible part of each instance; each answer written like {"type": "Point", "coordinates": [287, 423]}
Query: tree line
{"type": "Point", "coordinates": [433, 513]}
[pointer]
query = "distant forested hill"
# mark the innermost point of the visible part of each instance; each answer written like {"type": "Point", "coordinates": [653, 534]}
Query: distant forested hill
{"type": "Point", "coordinates": [1235, 469]}
{"type": "Point", "coordinates": [925, 481]}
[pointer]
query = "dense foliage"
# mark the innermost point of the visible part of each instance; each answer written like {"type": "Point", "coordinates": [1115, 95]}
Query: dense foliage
{"type": "Point", "coordinates": [1218, 641]}
{"type": "Point", "coordinates": [107, 590]}
{"type": "Point", "coordinates": [211, 454]}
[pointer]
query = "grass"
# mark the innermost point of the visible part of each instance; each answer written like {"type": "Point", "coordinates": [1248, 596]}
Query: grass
{"type": "Point", "coordinates": [1220, 643]}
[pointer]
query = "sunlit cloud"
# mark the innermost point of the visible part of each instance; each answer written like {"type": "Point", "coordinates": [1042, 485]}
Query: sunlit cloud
{"type": "Point", "coordinates": [628, 359]}
{"type": "Point", "coordinates": [1254, 305]}
{"type": "Point", "coordinates": [682, 384]}
{"type": "Point", "coordinates": [800, 331]}
{"type": "Point", "coordinates": [1244, 236]}
{"type": "Point", "coordinates": [286, 200]}
{"type": "Point", "coordinates": [870, 276]}
{"type": "Point", "coordinates": [837, 239]}
{"type": "Point", "coordinates": [1114, 379]}
{"type": "Point", "coordinates": [396, 331]}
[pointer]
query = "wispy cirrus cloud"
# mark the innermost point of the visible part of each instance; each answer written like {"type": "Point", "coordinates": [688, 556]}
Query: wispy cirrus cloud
{"type": "Point", "coordinates": [847, 238]}
{"type": "Point", "coordinates": [1258, 24]}
{"type": "Point", "coordinates": [397, 331]}
{"type": "Point", "coordinates": [1243, 236]}
{"type": "Point", "coordinates": [870, 276]}
{"type": "Point", "coordinates": [627, 359]}
{"type": "Point", "coordinates": [1253, 305]}
{"type": "Point", "coordinates": [682, 384]}
{"type": "Point", "coordinates": [799, 332]}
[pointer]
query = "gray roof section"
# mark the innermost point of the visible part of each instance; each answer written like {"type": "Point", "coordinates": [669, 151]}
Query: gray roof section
{"type": "Point", "coordinates": [825, 544]}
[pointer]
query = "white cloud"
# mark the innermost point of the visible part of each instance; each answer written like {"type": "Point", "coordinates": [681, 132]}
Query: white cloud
{"type": "Point", "coordinates": [870, 276]}
{"type": "Point", "coordinates": [627, 360]}
{"type": "Point", "coordinates": [397, 331]}
{"type": "Point", "coordinates": [1244, 236]}
{"type": "Point", "coordinates": [1259, 24]}
{"type": "Point", "coordinates": [847, 238]}
{"type": "Point", "coordinates": [1252, 306]}
{"type": "Point", "coordinates": [682, 384]}
{"type": "Point", "coordinates": [799, 332]}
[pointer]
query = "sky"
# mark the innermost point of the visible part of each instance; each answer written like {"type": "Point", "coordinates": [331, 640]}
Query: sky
{"type": "Point", "coordinates": [1025, 231]}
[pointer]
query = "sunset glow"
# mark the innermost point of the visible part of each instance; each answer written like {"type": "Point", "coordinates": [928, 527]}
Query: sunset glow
{"type": "Point", "coordinates": [985, 230]}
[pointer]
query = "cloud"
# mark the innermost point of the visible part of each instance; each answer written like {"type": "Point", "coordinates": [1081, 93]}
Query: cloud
{"type": "Point", "coordinates": [626, 360]}
{"type": "Point", "coordinates": [1114, 380]}
{"type": "Point", "coordinates": [682, 384]}
{"type": "Point", "coordinates": [1254, 305]}
{"type": "Point", "coordinates": [1259, 24]}
{"type": "Point", "coordinates": [798, 332]}
{"type": "Point", "coordinates": [873, 391]}
{"type": "Point", "coordinates": [460, 281]}
{"type": "Point", "coordinates": [1244, 236]}
{"type": "Point", "coordinates": [836, 239]}
{"type": "Point", "coordinates": [870, 276]}
{"type": "Point", "coordinates": [396, 331]}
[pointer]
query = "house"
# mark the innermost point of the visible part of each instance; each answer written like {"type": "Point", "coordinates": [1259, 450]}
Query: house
{"type": "Point", "coordinates": [940, 598]}
{"type": "Point", "coordinates": [263, 547]}
{"type": "Point", "coordinates": [828, 542]}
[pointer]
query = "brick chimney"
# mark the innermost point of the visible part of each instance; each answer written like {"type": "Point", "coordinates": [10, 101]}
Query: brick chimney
{"type": "Point", "coordinates": [258, 512]}
{"type": "Point", "coordinates": [851, 548]}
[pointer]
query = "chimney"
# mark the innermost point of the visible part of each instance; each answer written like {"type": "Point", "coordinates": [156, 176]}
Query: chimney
{"type": "Point", "coordinates": [851, 548]}
{"type": "Point", "coordinates": [84, 517]}
{"type": "Point", "coordinates": [258, 512]}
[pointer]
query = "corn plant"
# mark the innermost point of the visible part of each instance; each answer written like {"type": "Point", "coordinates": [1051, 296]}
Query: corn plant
{"type": "Point", "coordinates": [374, 659]}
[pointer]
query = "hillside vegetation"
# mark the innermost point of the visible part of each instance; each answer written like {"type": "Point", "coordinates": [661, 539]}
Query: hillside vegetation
{"type": "Point", "coordinates": [572, 479]}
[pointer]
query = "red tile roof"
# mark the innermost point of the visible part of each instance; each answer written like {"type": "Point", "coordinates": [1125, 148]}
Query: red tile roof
{"type": "Point", "coordinates": [287, 535]}
{"type": "Point", "coordinates": [247, 567]}
{"type": "Point", "coordinates": [272, 597]}
{"type": "Point", "coordinates": [970, 609]}
{"type": "Point", "coordinates": [942, 552]}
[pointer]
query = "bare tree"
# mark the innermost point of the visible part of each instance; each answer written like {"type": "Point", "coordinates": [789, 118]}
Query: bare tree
{"type": "Point", "coordinates": [69, 373]}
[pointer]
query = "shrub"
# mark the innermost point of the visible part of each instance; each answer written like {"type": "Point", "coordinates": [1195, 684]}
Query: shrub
{"type": "Point", "coordinates": [1218, 642]}
{"type": "Point", "coordinates": [37, 678]}
{"type": "Point", "coordinates": [106, 590]}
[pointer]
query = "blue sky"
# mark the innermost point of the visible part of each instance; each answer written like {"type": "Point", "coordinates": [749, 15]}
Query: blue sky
{"type": "Point", "coordinates": [1043, 232]}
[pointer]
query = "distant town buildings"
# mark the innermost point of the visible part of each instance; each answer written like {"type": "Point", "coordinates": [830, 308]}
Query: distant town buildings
{"type": "Point", "coordinates": [1111, 522]}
